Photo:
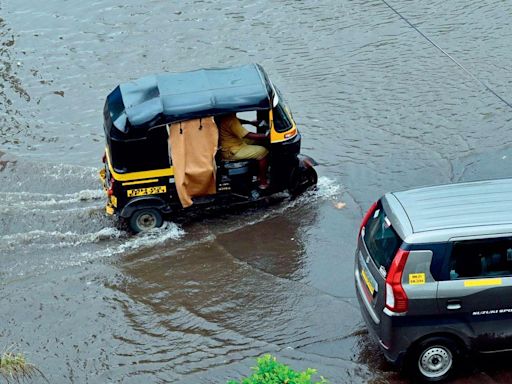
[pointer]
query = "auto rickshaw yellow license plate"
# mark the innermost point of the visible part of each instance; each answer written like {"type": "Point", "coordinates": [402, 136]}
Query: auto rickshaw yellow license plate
{"type": "Point", "coordinates": [146, 191]}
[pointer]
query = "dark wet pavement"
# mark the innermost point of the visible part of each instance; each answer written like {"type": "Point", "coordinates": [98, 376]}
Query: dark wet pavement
{"type": "Point", "coordinates": [197, 302]}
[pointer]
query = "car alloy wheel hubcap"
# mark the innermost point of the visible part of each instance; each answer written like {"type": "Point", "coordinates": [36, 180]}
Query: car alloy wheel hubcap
{"type": "Point", "coordinates": [435, 362]}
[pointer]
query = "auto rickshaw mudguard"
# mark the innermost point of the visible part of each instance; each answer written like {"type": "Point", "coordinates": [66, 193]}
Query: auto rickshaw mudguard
{"type": "Point", "coordinates": [144, 202]}
{"type": "Point", "coordinates": [306, 161]}
{"type": "Point", "coordinates": [303, 176]}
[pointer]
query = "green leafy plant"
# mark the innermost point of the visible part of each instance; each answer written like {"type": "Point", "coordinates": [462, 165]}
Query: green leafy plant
{"type": "Point", "coordinates": [14, 367]}
{"type": "Point", "coordinates": [270, 371]}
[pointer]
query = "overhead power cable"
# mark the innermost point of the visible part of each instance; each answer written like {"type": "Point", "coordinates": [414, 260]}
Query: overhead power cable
{"type": "Point", "coordinates": [447, 54]}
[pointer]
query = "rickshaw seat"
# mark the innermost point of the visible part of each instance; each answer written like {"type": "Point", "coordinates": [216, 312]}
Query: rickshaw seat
{"type": "Point", "coordinates": [236, 167]}
{"type": "Point", "coordinates": [232, 164]}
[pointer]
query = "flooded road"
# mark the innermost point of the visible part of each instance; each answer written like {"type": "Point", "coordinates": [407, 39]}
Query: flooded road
{"type": "Point", "coordinates": [378, 107]}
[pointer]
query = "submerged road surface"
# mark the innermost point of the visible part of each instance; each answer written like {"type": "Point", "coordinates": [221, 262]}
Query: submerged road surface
{"type": "Point", "coordinates": [196, 302]}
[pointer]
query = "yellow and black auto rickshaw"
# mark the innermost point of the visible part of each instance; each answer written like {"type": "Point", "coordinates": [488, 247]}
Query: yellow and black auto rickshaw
{"type": "Point", "coordinates": [162, 148]}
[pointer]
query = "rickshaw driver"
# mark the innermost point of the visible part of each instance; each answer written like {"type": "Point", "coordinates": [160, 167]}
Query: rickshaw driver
{"type": "Point", "coordinates": [236, 144]}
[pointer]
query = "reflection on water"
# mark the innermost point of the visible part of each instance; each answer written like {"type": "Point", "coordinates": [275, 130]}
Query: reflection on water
{"type": "Point", "coordinates": [231, 298]}
{"type": "Point", "coordinates": [377, 106]}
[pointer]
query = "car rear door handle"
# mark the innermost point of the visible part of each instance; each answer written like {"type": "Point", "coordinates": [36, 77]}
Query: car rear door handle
{"type": "Point", "coordinates": [453, 305]}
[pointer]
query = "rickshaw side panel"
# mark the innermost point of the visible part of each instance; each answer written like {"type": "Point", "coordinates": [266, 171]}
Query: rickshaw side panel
{"type": "Point", "coordinates": [143, 153]}
{"type": "Point", "coordinates": [131, 188]}
{"type": "Point", "coordinates": [284, 159]}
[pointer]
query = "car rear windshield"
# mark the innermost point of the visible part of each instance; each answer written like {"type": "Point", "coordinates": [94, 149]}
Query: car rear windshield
{"type": "Point", "coordinates": [381, 239]}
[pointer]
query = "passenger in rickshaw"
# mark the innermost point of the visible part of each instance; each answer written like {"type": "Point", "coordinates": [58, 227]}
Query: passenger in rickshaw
{"type": "Point", "coordinates": [236, 143]}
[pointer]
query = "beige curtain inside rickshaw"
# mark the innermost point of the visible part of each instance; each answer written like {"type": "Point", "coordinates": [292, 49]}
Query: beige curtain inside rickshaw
{"type": "Point", "coordinates": [193, 145]}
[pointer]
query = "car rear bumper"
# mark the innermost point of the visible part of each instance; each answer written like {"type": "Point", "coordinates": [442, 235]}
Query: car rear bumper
{"type": "Point", "coordinates": [393, 351]}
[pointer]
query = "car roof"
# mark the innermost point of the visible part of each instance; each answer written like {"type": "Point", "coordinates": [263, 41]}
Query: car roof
{"type": "Point", "coordinates": [168, 97]}
{"type": "Point", "coordinates": [445, 211]}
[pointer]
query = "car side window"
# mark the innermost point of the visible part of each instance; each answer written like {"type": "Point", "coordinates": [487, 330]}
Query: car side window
{"type": "Point", "coordinates": [481, 258]}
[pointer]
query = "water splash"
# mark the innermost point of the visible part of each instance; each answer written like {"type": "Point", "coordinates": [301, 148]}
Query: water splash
{"type": "Point", "coordinates": [327, 188]}
{"type": "Point", "coordinates": [156, 236]}
{"type": "Point", "coordinates": [55, 239]}
{"type": "Point", "coordinates": [168, 231]}
{"type": "Point", "coordinates": [27, 200]}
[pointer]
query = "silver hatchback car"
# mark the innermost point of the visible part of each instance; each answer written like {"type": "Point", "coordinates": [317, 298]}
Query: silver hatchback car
{"type": "Point", "coordinates": [433, 274]}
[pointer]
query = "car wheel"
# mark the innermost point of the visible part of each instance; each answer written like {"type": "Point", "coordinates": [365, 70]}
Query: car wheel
{"type": "Point", "coordinates": [145, 219]}
{"type": "Point", "coordinates": [434, 359]}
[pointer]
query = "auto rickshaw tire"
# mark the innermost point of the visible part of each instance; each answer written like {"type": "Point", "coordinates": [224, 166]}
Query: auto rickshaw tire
{"type": "Point", "coordinates": [433, 360]}
{"type": "Point", "coordinates": [145, 219]}
{"type": "Point", "coordinates": [312, 177]}
{"type": "Point", "coordinates": [301, 180]}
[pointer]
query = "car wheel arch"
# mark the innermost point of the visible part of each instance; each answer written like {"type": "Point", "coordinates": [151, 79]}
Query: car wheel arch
{"type": "Point", "coordinates": [459, 340]}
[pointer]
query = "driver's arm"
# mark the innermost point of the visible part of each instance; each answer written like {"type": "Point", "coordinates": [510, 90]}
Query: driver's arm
{"type": "Point", "coordinates": [254, 122]}
{"type": "Point", "coordinates": [256, 136]}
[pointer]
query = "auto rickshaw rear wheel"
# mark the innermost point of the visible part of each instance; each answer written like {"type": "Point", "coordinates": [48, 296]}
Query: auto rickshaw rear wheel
{"type": "Point", "coordinates": [145, 219]}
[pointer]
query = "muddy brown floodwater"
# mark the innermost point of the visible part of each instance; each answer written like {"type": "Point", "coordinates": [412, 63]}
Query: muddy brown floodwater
{"type": "Point", "coordinates": [197, 302]}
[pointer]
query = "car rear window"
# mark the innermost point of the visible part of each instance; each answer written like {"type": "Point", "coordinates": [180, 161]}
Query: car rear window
{"type": "Point", "coordinates": [381, 239]}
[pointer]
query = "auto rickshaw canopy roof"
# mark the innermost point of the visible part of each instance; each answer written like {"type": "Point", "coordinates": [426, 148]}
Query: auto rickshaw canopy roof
{"type": "Point", "coordinates": [168, 97]}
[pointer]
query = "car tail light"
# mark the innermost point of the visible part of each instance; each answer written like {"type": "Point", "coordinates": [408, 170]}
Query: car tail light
{"type": "Point", "coordinates": [396, 299]}
{"type": "Point", "coordinates": [367, 216]}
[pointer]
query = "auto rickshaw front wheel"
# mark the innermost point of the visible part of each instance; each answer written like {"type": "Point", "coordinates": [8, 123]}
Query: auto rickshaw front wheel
{"type": "Point", "coordinates": [145, 219]}
{"type": "Point", "coordinates": [301, 180]}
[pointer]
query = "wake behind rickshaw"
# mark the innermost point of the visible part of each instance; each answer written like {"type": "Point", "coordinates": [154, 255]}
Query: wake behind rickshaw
{"type": "Point", "coordinates": [162, 153]}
